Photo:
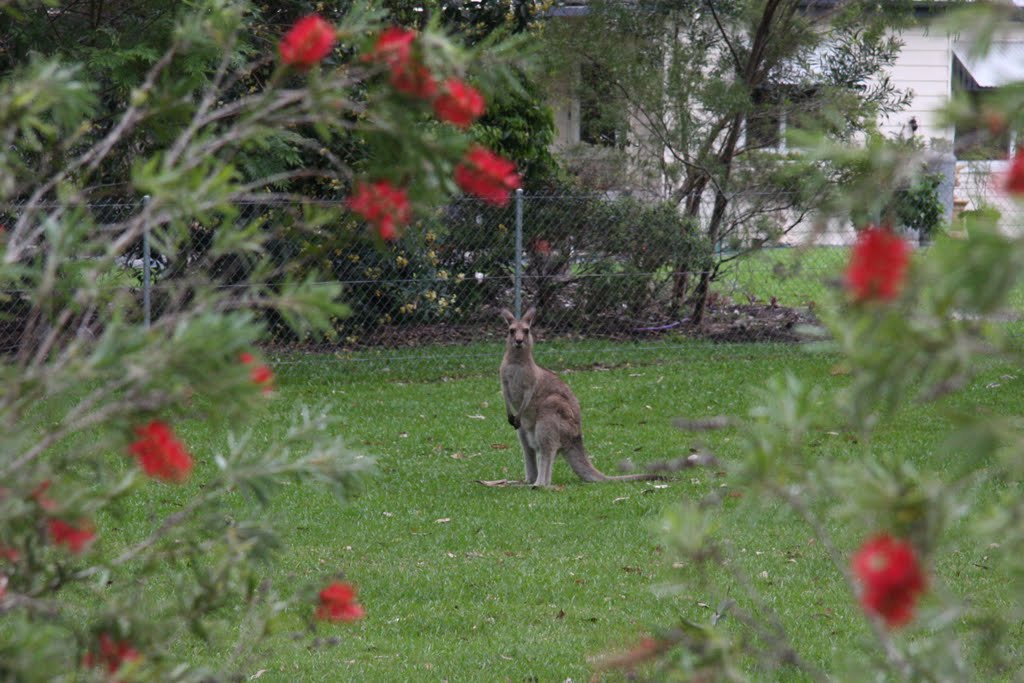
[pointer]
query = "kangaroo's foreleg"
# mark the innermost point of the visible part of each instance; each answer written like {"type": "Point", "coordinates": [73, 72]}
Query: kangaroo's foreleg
{"type": "Point", "coordinates": [513, 418]}
{"type": "Point", "coordinates": [529, 457]}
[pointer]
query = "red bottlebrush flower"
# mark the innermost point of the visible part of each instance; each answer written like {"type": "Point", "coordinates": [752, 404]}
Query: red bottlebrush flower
{"type": "Point", "coordinates": [414, 80]}
{"type": "Point", "coordinates": [891, 576]}
{"type": "Point", "coordinates": [338, 603]}
{"type": "Point", "coordinates": [542, 247]}
{"type": "Point", "coordinates": [408, 76]}
{"type": "Point", "coordinates": [308, 42]}
{"type": "Point", "coordinates": [877, 265]}
{"type": "Point", "coordinates": [393, 47]}
{"type": "Point", "coordinates": [383, 205]}
{"type": "Point", "coordinates": [112, 655]}
{"type": "Point", "coordinates": [9, 554]}
{"type": "Point", "coordinates": [160, 454]}
{"type": "Point", "coordinates": [487, 175]}
{"type": "Point", "coordinates": [1014, 182]}
{"type": "Point", "coordinates": [260, 373]}
{"type": "Point", "coordinates": [39, 495]}
{"type": "Point", "coordinates": [75, 537]}
{"type": "Point", "coordinates": [460, 104]}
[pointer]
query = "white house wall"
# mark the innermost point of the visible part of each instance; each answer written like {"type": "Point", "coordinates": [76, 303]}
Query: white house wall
{"type": "Point", "coordinates": [923, 66]}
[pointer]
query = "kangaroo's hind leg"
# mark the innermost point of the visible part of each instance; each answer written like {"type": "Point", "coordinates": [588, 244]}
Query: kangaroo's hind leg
{"type": "Point", "coordinates": [548, 443]}
{"type": "Point", "coordinates": [529, 456]}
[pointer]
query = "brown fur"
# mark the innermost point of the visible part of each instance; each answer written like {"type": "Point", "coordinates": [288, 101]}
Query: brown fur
{"type": "Point", "coordinates": [544, 411]}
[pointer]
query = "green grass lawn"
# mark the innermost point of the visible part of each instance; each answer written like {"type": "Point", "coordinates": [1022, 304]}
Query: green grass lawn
{"type": "Point", "coordinates": [467, 583]}
{"type": "Point", "coordinates": [796, 276]}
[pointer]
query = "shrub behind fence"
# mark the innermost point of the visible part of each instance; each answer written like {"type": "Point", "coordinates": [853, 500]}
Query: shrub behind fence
{"type": "Point", "coordinates": [596, 268]}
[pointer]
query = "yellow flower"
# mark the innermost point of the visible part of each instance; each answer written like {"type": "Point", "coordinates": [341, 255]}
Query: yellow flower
{"type": "Point", "coordinates": [442, 275]}
{"type": "Point", "coordinates": [401, 261]}
{"type": "Point", "coordinates": [430, 237]}
{"type": "Point", "coordinates": [354, 258]}
{"type": "Point", "coordinates": [430, 295]}
{"type": "Point", "coordinates": [432, 256]}
{"type": "Point", "coordinates": [460, 277]}
{"type": "Point", "coordinates": [442, 302]}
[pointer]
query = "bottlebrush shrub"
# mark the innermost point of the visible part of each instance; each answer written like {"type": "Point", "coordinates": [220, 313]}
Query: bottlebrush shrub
{"type": "Point", "coordinates": [878, 536]}
{"type": "Point", "coordinates": [97, 408]}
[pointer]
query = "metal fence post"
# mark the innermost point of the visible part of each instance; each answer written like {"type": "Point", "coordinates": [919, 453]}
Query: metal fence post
{"type": "Point", "coordinates": [146, 301]}
{"type": "Point", "coordinates": [947, 168]}
{"type": "Point", "coordinates": [519, 253]}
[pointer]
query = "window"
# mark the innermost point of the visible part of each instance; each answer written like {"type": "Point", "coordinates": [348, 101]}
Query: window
{"type": "Point", "coordinates": [775, 111]}
{"type": "Point", "coordinates": [974, 141]}
{"type": "Point", "coordinates": [766, 128]}
{"type": "Point", "coordinates": [975, 79]}
{"type": "Point", "coordinates": [602, 118]}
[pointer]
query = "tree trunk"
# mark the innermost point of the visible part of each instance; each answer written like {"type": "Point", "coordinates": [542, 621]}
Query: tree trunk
{"type": "Point", "coordinates": [752, 73]}
{"type": "Point", "coordinates": [704, 285]}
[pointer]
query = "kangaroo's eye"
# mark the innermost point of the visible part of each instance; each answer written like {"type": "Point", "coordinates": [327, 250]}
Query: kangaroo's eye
{"type": "Point", "coordinates": [511, 330]}
{"type": "Point", "coordinates": [526, 331]}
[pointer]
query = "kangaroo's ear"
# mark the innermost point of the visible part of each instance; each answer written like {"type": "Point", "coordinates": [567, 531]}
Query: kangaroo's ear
{"type": "Point", "coordinates": [507, 315]}
{"type": "Point", "coordinates": [530, 315]}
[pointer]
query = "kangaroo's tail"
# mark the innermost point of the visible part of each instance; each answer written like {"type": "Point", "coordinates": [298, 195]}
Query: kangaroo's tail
{"type": "Point", "coordinates": [585, 470]}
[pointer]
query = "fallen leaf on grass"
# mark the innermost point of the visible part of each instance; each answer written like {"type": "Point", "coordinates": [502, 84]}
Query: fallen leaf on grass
{"type": "Point", "coordinates": [458, 456]}
{"type": "Point", "coordinates": [257, 674]}
{"type": "Point", "coordinates": [497, 483]}
{"type": "Point", "coordinates": [499, 446]}
{"type": "Point", "coordinates": [476, 417]}
{"type": "Point", "coordinates": [840, 369]}
{"type": "Point", "coordinates": [443, 520]}
{"type": "Point", "coordinates": [561, 614]}
{"type": "Point", "coordinates": [620, 499]}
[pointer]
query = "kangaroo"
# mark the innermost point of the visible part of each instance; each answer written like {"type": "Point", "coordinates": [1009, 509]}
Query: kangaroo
{"type": "Point", "coordinates": [544, 411]}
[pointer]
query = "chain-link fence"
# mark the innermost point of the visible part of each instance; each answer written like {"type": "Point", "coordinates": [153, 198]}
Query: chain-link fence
{"type": "Point", "coordinates": [598, 269]}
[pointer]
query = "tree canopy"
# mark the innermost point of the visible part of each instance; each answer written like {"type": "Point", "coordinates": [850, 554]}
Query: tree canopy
{"type": "Point", "coordinates": [713, 95]}
{"type": "Point", "coordinates": [118, 42]}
